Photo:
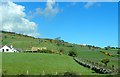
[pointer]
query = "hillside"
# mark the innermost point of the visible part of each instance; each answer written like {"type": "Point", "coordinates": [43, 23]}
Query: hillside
{"type": "Point", "coordinates": [39, 63]}
{"type": "Point", "coordinates": [86, 53]}
{"type": "Point", "coordinates": [25, 42]}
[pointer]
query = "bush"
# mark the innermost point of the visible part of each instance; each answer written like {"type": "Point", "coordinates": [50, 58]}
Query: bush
{"type": "Point", "coordinates": [69, 74]}
{"type": "Point", "coordinates": [72, 53]}
{"type": "Point", "coordinates": [5, 36]}
{"type": "Point", "coordinates": [118, 52]}
{"type": "Point", "coordinates": [62, 51]}
{"type": "Point", "coordinates": [45, 51]}
{"type": "Point", "coordinates": [105, 61]}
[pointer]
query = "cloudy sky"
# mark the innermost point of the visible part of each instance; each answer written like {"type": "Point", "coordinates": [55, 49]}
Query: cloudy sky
{"type": "Point", "coordinates": [94, 23]}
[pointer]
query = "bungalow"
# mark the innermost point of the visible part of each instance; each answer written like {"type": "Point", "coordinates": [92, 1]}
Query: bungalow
{"type": "Point", "coordinates": [8, 49]}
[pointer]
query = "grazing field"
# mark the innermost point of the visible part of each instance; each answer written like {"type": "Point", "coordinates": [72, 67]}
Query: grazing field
{"type": "Point", "coordinates": [97, 56]}
{"type": "Point", "coordinates": [39, 63]}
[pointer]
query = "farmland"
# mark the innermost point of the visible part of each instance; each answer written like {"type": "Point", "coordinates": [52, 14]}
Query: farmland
{"type": "Point", "coordinates": [44, 63]}
{"type": "Point", "coordinates": [36, 64]}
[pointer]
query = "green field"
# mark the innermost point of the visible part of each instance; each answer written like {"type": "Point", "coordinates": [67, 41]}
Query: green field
{"type": "Point", "coordinates": [97, 56]}
{"type": "Point", "coordinates": [38, 63]}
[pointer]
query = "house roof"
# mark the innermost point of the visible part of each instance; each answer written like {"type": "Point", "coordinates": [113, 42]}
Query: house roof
{"type": "Point", "coordinates": [5, 46]}
{"type": "Point", "coordinates": [10, 47]}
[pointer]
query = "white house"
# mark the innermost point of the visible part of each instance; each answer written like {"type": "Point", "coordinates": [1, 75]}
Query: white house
{"type": "Point", "coordinates": [8, 49]}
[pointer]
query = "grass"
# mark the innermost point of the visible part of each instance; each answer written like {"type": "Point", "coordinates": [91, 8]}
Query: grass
{"type": "Point", "coordinates": [39, 63]}
{"type": "Point", "coordinates": [26, 43]}
{"type": "Point", "coordinates": [97, 56]}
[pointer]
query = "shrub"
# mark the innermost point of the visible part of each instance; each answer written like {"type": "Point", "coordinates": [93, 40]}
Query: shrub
{"type": "Point", "coordinates": [69, 74]}
{"type": "Point", "coordinates": [105, 61]}
{"type": "Point", "coordinates": [5, 36]}
{"type": "Point", "coordinates": [45, 51]}
{"type": "Point", "coordinates": [62, 51]}
{"type": "Point", "coordinates": [72, 53]}
{"type": "Point", "coordinates": [118, 52]}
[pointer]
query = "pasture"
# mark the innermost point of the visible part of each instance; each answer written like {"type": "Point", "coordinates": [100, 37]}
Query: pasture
{"type": "Point", "coordinates": [40, 64]}
{"type": "Point", "coordinates": [97, 57]}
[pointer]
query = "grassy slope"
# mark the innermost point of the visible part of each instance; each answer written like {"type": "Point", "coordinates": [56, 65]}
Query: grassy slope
{"type": "Point", "coordinates": [19, 41]}
{"type": "Point", "coordinates": [18, 63]}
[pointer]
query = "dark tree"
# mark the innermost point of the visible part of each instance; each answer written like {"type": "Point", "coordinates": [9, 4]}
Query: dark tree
{"type": "Point", "coordinates": [57, 38]}
{"type": "Point", "coordinates": [72, 53]}
{"type": "Point", "coordinates": [5, 36]}
{"type": "Point", "coordinates": [62, 50]}
{"type": "Point", "coordinates": [118, 52]}
{"type": "Point", "coordinates": [106, 48]}
{"type": "Point", "coordinates": [58, 41]}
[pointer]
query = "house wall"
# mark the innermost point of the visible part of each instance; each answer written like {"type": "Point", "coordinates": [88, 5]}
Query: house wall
{"type": "Point", "coordinates": [6, 49]}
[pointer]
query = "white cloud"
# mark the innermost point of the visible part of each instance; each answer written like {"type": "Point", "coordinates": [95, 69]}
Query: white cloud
{"type": "Point", "coordinates": [13, 19]}
{"type": "Point", "coordinates": [50, 10]}
{"type": "Point", "coordinates": [89, 4]}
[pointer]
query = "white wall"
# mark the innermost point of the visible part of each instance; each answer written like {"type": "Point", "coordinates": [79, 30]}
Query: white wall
{"type": "Point", "coordinates": [6, 49]}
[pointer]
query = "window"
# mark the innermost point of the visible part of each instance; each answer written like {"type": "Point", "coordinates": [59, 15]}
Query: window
{"type": "Point", "coordinates": [7, 49]}
{"type": "Point", "coordinates": [3, 50]}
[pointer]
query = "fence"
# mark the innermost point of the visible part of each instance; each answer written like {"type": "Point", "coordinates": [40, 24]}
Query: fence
{"type": "Point", "coordinates": [98, 68]}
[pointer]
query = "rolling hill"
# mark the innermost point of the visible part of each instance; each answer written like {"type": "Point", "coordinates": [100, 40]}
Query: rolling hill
{"type": "Point", "coordinates": [84, 53]}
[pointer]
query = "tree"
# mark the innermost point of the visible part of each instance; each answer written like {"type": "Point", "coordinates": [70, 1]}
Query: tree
{"type": "Point", "coordinates": [118, 52]}
{"type": "Point", "coordinates": [105, 61]}
{"type": "Point", "coordinates": [5, 36]}
{"type": "Point", "coordinates": [62, 50]}
{"type": "Point", "coordinates": [72, 53]}
{"type": "Point", "coordinates": [57, 38]}
{"type": "Point", "coordinates": [108, 47]}
{"type": "Point", "coordinates": [89, 46]}
{"type": "Point", "coordinates": [57, 41]}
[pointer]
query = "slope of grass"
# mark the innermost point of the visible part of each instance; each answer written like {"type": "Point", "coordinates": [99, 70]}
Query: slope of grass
{"type": "Point", "coordinates": [36, 64]}
{"type": "Point", "coordinates": [97, 56]}
{"type": "Point", "coordinates": [26, 43]}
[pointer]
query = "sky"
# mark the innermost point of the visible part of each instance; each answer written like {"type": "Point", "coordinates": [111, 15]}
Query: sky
{"type": "Point", "coordinates": [92, 23]}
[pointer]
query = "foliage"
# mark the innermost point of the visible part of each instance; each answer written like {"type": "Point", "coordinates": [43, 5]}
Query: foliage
{"type": "Point", "coordinates": [57, 38]}
{"type": "Point", "coordinates": [26, 43]}
{"type": "Point", "coordinates": [118, 52]}
{"type": "Point", "coordinates": [105, 61]}
{"type": "Point", "coordinates": [72, 53]}
{"type": "Point", "coordinates": [44, 51]}
{"type": "Point", "coordinates": [69, 74]}
{"type": "Point", "coordinates": [62, 50]}
{"type": "Point", "coordinates": [106, 48]}
{"type": "Point", "coordinates": [5, 36]}
{"type": "Point", "coordinates": [36, 63]}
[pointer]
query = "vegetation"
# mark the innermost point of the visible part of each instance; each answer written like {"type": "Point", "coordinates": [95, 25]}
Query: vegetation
{"type": "Point", "coordinates": [72, 53]}
{"type": "Point", "coordinates": [39, 64]}
{"type": "Point", "coordinates": [87, 53]}
{"type": "Point", "coordinates": [105, 61]}
{"type": "Point", "coordinates": [118, 52]}
{"type": "Point", "coordinates": [44, 51]}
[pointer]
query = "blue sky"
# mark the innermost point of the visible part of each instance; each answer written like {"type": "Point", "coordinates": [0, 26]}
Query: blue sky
{"type": "Point", "coordinates": [80, 23]}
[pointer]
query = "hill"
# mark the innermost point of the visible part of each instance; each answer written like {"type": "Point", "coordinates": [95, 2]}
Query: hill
{"type": "Point", "coordinates": [86, 53]}
{"type": "Point", "coordinates": [40, 63]}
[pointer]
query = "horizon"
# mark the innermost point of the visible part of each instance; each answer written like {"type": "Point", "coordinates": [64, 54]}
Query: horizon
{"type": "Point", "coordinates": [76, 21]}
